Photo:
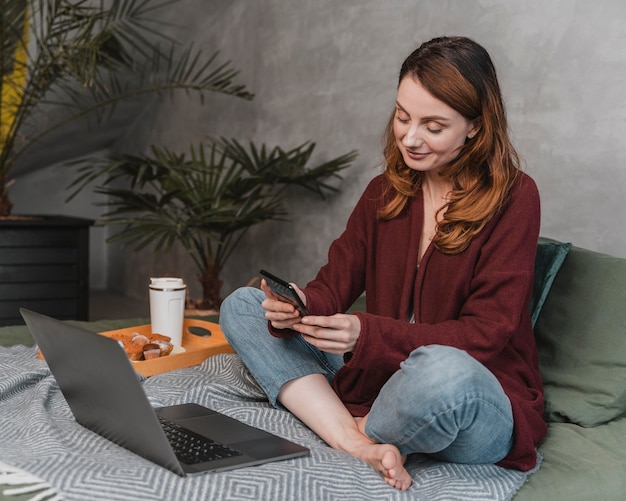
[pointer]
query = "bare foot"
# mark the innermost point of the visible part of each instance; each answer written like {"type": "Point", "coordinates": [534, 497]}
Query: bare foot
{"type": "Point", "coordinates": [327, 416]}
{"type": "Point", "coordinates": [387, 460]}
{"type": "Point", "coordinates": [384, 458]}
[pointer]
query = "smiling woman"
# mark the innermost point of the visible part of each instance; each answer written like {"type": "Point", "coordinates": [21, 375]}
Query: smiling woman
{"type": "Point", "coordinates": [430, 135]}
{"type": "Point", "coordinates": [428, 132]}
{"type": "Point", "coordinates": [443, 362]}
{"type": "Point", "coordinates": [448, 79]}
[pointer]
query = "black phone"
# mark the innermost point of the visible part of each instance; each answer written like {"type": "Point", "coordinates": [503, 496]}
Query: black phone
{"type": "Point", "coordinates": [285, 291]}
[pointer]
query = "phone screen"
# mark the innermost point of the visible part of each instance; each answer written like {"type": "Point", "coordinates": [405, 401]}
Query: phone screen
{"type": "Point", "coordinates": [285, 291]}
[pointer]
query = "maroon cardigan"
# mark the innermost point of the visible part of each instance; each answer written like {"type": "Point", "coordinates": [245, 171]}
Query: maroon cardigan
{"type": "Point", "coordinates": [477, 301]}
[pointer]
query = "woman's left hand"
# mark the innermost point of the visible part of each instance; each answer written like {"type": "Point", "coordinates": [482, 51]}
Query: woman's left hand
{"type": "Point", "coordinates": [334, 334]}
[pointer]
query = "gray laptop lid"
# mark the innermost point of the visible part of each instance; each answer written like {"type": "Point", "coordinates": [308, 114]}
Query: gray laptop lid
{"type": "Point", "coordinates": [105, 395]}
{"type": "Point", "coordinates": [101, 387]}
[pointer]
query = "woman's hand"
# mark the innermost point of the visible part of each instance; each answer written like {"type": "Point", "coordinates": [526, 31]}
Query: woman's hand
{"type": "Point", "coordinates": [334, 334]}
{"type": "Point", "coordinates": [282, 315]}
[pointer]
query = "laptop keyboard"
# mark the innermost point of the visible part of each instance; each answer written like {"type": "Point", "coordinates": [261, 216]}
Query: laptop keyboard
{"type": "Point", "coordinates": [191, 448]}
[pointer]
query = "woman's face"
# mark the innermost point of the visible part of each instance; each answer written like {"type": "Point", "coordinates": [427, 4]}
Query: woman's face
{"type": "Point", "coordinates": [428, 132]}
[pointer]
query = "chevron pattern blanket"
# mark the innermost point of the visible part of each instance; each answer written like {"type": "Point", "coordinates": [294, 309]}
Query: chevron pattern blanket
{"type": "Point", "coordinates": [39, 435]}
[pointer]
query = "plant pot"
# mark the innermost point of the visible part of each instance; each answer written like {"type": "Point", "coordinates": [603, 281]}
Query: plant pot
{"type": "Point", "coordinates": [44, 266]}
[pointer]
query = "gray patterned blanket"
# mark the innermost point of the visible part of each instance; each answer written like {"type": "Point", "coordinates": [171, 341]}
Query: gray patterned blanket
{"type": "Point", "coordinates": [39, 435]}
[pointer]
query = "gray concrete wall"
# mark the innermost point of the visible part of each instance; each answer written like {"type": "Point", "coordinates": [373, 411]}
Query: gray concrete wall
{"type": "Point", "coordinates": [326, 70]}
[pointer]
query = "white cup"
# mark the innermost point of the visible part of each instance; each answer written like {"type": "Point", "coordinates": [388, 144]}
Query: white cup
{"type": "Point", "coordinates": [167, 307]}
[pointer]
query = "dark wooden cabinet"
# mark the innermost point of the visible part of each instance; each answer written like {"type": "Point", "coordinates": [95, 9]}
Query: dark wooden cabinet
{"type": "Point", "coordinates": [44, 266]}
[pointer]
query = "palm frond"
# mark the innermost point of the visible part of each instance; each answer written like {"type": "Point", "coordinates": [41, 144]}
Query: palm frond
{"type": "Point", "coordinates": [205, 200]}
{"type": "Point", "coordinates": [88, 57]}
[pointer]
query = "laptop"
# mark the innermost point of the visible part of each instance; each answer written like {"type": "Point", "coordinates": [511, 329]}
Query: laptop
{"type": "Point", "coordinates": [104, 393]}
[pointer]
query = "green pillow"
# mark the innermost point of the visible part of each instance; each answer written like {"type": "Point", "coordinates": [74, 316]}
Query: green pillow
{"type": "Point", "coordinates": [548, 261]}
{"type": "Point", "coordinates": [581, 337]}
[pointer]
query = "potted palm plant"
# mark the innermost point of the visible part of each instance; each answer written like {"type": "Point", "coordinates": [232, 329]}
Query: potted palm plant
{"type": "Point", "coordinates": [81, 59]}
{"type": "Point", "coordinates": [205, 200]}
{"type": "Point", "coordinates": [76, 61]}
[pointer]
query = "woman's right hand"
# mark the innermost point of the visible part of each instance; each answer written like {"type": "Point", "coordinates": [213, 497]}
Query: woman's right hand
{"type": "Point", "coordinates": [281, 315]}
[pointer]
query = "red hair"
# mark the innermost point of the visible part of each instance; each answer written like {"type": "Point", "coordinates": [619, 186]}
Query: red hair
{"type": "Point", "coordinates": [460, 73]}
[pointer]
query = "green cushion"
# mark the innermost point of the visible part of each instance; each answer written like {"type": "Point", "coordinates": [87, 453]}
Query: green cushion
{"type": "Point", "coordinates": [579, 464]}
{"type": "Point", "coordinates": [550, 256]}
{"type": "Point", "coordinates": [581, 337]}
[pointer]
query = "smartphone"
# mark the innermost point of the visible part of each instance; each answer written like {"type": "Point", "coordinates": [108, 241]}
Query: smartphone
{"type": "Point", "coordinates": [285, 291]}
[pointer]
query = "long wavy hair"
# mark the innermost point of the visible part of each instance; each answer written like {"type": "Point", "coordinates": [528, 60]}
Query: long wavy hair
{"type": "Point", "coordinates": [459, 72]}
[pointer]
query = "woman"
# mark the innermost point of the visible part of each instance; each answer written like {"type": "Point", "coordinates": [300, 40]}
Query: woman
{"type": "Point", "coordinates": [444, 361]}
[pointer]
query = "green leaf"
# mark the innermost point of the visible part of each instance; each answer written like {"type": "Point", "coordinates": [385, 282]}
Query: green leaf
{"type": "Point", "coordinates": [207, 199]}
{"type": "Point", "coordinates": [87, 57]}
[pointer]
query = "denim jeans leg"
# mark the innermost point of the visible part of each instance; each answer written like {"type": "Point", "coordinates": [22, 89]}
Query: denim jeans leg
{"type": "Point", "coordinates": [272, 361]}
{"type": "Point", "coordinates": [444, 403]}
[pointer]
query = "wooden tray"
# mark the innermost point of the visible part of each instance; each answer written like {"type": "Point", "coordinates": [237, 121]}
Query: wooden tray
{"type": "Point", "coordinates": [197, 348]}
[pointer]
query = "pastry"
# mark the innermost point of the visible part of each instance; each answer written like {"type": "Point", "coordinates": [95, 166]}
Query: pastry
{"type": "Point", "coordinates": [151, 351]}
{"type": "Point", "coordinates": [141, 347]}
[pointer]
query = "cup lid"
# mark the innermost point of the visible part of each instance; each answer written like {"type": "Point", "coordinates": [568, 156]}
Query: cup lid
{"type": "Point", "coordinates": [167, 283]}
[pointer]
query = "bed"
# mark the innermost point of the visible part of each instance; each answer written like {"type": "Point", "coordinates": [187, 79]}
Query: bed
{"type": "Point", "coordinates": [42, 448]}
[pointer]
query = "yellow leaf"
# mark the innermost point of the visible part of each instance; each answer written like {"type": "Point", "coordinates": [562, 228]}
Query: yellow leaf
{"type": "Point", "coordinates": [13, 84]}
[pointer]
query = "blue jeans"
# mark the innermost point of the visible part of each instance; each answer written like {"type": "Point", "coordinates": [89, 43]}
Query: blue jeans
{"type": "Point", "coordinates": [441, 402]}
